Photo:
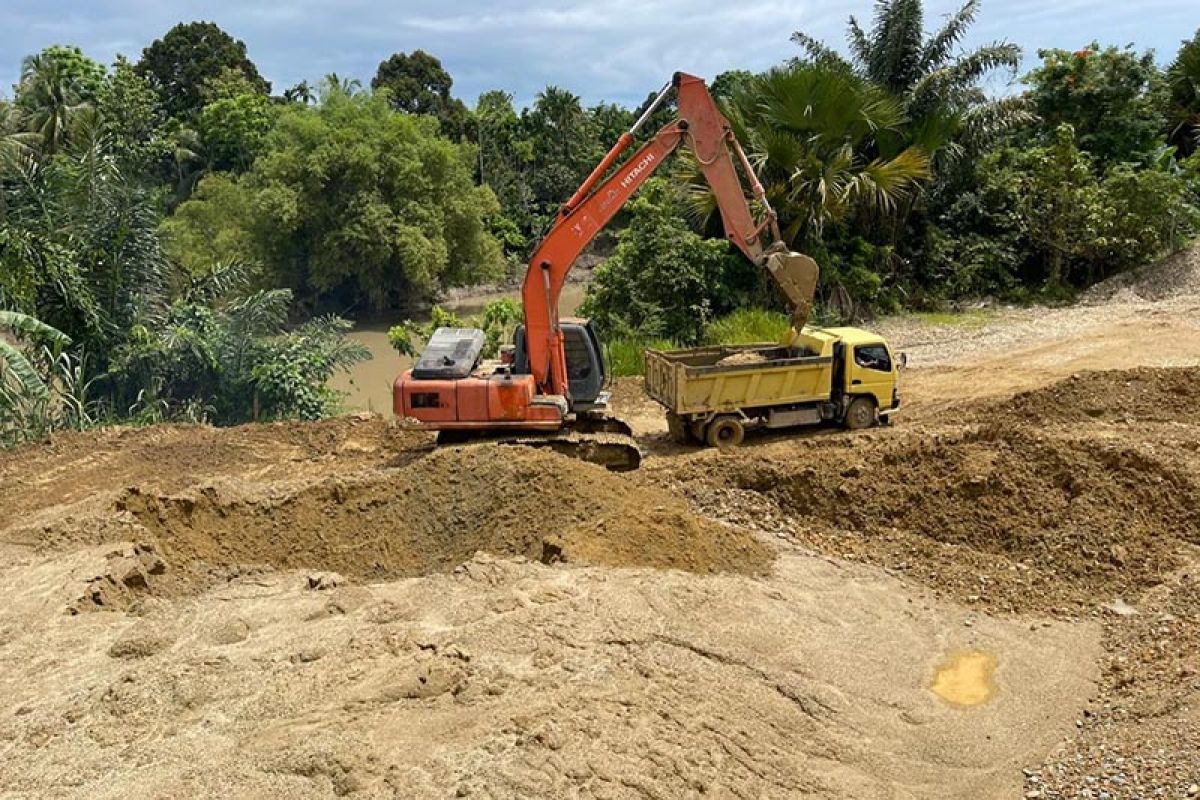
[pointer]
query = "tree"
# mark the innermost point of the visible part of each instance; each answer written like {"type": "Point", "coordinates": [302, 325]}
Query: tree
{"type": "Point", "coordinates": [1061, 225]}
{"type": "Point", "coordinates": [216, 226]}
{"type": "Point", "coordinates": [814, 135]}
{"type": "Point", "coordinates": [664, 279]}
{"type": "Point", "coordinates": [948, 113]}
{"type": "Point", "coordinates": [178, 65]}
{"type": "Point", "coordinates": [564, 148]}
{"type": "Point", "coordinates": [727, 84]}
{"type": "Point", "coordinates": [1183, 109]}
{"type": "Point", "coordinates": [56, 84]}
{"type": "Point", "coordinates": [418, 84]}
{"type": "Point", "coordinates": [37, 379]}
{"type": "Point", "coordinates": [225, 354]}
{"type": "Point", "coordinates": [1104, 95]}
{"type": "Point", "coordinates": [349, 196]}
{"type": "Point", "coordinates": [133, 123]}
{"type": "Point", "coordinates": [233, 129]}
{"type": "Point", "coordinates": [82, 252]}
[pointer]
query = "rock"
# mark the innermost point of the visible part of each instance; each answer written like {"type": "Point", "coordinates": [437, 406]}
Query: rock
{"type": "Point", "coordinates": [322, 581]}
{"type": "Point", "coordinates": [230, 631]}
{"type": "Point", "coordinates": [307, 655]}
{"type": "Point", "coordinates": [139, 642]}
{"type": "Point", "coordinates": [1121, 608]}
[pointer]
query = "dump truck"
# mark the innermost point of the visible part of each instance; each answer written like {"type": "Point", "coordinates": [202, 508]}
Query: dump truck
{"type": "Point", "coordinates": [713, 395]}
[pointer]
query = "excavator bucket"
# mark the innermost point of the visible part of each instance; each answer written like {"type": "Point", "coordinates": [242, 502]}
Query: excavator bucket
{"type": "Point", "coordinates": [796, 275]}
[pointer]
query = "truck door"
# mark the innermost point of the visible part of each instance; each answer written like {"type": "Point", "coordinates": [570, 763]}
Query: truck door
{"type": "Point", "coordinates": [872, 372]}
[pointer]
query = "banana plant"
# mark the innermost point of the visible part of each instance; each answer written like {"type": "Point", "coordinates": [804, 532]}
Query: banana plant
{"type": "Point", "coordinates": [29, 351]}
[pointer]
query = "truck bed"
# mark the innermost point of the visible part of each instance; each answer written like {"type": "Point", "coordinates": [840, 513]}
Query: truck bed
{"type": "Point", "coordinates": [693, 382]}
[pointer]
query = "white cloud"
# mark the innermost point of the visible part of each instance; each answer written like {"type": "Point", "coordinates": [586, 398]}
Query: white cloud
{"type": "Point", "coordinates": [620, 50]}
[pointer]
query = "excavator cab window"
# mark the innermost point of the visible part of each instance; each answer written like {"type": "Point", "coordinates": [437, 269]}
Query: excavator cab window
{"type": "Point", "coordinates": [585, 362]}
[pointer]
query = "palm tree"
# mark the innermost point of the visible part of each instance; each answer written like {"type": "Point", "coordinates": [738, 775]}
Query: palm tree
{"type": "Point", "coordinates": [948, 111]}
{"type": "Point", "coordinates": [334, 84]}
{"type": "Point", "coordinates": [562, 119]}
{"type": "Point", "coordinates": [822, 141]}
{"type": "Point", "coordinates": [52, 97]}
{"type": "Point", "coordinates": [1183, 80]}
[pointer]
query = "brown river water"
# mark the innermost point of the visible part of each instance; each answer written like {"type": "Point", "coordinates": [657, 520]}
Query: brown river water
{"type": "Point", "coordinates": [368, 386]}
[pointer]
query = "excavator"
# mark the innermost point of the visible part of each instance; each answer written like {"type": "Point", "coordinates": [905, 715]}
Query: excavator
{"type": "Point", "coordinates": [550, 392]}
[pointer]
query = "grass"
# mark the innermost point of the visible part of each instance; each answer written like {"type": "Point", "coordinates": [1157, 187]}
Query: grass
{"type": "Point", "coordinates": [971, 319]}
{"type": "Point", "coordinates": [627, 357]}
{"type": "Point", "coordinates": [747, 326]}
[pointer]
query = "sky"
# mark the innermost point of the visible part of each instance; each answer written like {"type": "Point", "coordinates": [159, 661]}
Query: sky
{"type": "Point", "coordinates": [616, 50]}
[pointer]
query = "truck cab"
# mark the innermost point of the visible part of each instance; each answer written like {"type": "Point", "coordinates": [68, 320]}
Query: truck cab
{"type": "Point", "coordinates": [868, 369]}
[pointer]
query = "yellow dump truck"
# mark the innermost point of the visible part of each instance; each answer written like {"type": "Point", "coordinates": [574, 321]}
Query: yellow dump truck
{"type": "Point", "coordinates": [844, 376]}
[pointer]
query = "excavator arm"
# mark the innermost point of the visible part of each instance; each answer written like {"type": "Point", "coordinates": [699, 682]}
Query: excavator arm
{"type": "Point", "coordinates": [701, 126]}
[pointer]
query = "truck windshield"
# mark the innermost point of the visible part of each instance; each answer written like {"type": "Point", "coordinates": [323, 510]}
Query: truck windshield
{"type": "Point", "coordinates": [873, 356]}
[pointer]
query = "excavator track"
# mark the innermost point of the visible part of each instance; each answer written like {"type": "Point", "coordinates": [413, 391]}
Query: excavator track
{"type": "Point", "coordinates": [616, 452]}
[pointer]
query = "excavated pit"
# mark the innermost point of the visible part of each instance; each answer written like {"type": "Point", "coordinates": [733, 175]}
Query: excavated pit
{"type": "Point", "coordinates": [436, 513]}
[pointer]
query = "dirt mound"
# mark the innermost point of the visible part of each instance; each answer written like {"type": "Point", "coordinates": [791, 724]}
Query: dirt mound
{"type": "Point", "coordinates": [1135, 395]}
{"type": "Point", "coordinates": [435, 513]}
{"type": "Point", "coordinates": [996, 515]}
{"type": "Point", "coordinates": [1175, 275]}
{"type": "Point", "coordinates": [745, 359]}
{"type": "Point", "coordinates": [71, 467]}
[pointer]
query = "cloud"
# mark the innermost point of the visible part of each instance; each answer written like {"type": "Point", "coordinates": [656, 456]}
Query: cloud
{"type": "Point", "coordinates": [617, 51]}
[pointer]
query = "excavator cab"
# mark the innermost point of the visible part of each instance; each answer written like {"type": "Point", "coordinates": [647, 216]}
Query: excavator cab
{"type": "Point", "coordinates": [586, 372]}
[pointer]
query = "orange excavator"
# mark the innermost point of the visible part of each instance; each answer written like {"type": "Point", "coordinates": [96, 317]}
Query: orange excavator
{"type": "Point", "coordinates": [550, 391]}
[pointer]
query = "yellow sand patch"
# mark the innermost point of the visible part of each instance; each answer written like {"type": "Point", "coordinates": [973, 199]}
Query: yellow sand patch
{"type": "Point", "coordinates": [966, 678]}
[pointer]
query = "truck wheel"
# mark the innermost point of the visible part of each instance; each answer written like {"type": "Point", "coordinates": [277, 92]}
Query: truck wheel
{"type": "Point", "coordinates": [860, 414]}
{"type": "Point", "coordinates": [725, 432]}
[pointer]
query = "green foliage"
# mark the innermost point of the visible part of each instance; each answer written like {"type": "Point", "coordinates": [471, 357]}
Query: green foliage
{"type": "Point", "coordinates": [418, 84]}
{"type": "Point", "coordinates": [1042, 219]}
{"type": "Point", "coordinates": [403, 337]}
{"type": "Point", "coordinates": [57, 85]}
{"type": "Point", "coordinates": [814, 132]}
{"type": "Point", "coordinates": [747, 326]}
{"type": "Point", "coordinates": [498, 320]}
{"type": "Point", "coordinates": [1183, 104]}
{"type": "Point", "coordinates": [293, 369]}
{"type": "Point", "coordinates": [133, 123]}
{"type": "Point", "coordinates": [665, 280]}
{"type": "Point", "coordinates": [39, 381]}
{"type": "Point", "coordinates": [215, 226]}
{"type": "Point", "coordinates": [233, 130]}
{"type": "Point", "coordinates": [626, 356]}
{"type": "Point", "coordinates": [226, 355]}
{"type": "Point", "coordinates": [1105, 95]}
{"type": "Point", "coordinates": [949, 116]}
{"type": "Point", "coordinates": [81, 76]}
{"type": "Point", "coordinates": [349, 196]}
{"type": "Point", "coordinates": [188, 56]}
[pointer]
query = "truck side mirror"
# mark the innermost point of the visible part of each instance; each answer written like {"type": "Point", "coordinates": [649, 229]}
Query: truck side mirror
{"type": "Point", "coordinates": [903, 360]}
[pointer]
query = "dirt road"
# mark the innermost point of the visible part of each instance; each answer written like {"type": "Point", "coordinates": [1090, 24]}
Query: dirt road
{"type": "Point", "coordinates": [998, 597]}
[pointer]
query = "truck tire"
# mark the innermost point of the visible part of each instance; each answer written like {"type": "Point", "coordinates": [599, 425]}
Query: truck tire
{"type": "Point", "coordinates": [859, 414]}
{"type": "Point", "coordinates": [725, 432]}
